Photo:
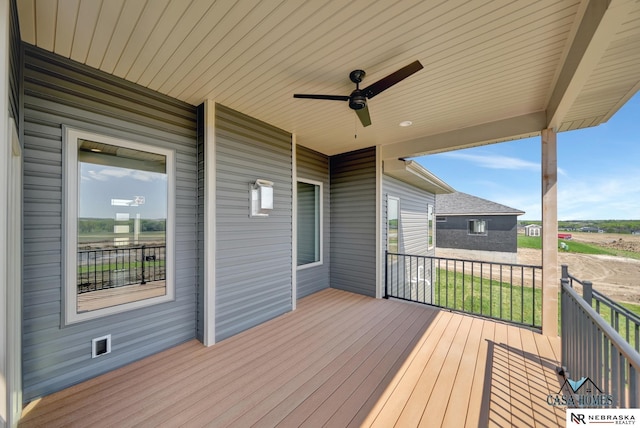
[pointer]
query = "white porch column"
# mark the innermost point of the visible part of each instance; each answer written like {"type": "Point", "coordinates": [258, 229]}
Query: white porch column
{"type": "Point", "coordinates": [209, 223]}
{"type": "Point", "coordinates": [550, 277]}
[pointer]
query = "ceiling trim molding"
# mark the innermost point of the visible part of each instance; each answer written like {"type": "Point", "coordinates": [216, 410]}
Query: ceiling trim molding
{"type": "Point", "coordinates": [486, 133]}
{"type": "Point", "coordinates": [598, 26]}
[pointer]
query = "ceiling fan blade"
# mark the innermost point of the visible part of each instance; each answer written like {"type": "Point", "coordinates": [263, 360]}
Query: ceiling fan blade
{"type": "Point", "coordinates": [363, 115]}
{"type": "Point", "coordinates": [395, 77]}
{"type": "Point", "coordinates": [323, 97]}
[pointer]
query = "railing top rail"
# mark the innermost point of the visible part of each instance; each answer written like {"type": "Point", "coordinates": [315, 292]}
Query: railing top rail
{"type": "Point", "coordinates": [622, 345]}
{"type": "Point", "coordinates": [608, 301]}
{"type": "Point", "coordinates": [465, 260]}
{"type": "Point", "coordinates": [617, 306]}
{"type": "Point", "coordinates": [138, 247]}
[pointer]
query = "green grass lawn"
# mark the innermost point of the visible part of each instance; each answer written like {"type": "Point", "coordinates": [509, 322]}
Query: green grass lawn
{"type": "Point", "coordinates": [488, 297]}
{"type": "Point", "coordinates": [535, 242]}
{"type": "Point", "coordinates": [105, 267]}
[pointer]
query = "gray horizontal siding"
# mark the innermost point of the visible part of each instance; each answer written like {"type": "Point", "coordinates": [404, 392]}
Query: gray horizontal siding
{"type": "Point", "coordinates": [201, 220]}
{"type": "Point", "coordinates": [413, 228]}
{"type": "Point", "coordinates": [14, 64]}
{"type": "Point", "coordinates": [353, 221]}
{"type": "Point", "coordinates": [253, 255]}
{"type": "Point", "coordinates": [60, 92]}
{"type": "Point", "coordinates": [413, 231]}
{"type": "Point", "coordinates": [315, 166]}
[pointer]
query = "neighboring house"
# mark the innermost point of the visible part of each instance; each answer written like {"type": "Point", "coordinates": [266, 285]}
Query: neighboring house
{"type": "Point", "coordinates": [158, 148]}
{"type": "Point", "coordinates": [532, 230]}
{"type": "Point", "coordinates": [476, 227]}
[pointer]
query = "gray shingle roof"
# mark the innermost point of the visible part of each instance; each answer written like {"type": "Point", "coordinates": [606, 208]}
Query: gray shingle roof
{"type": "Point", "coordinates": [463, 204]}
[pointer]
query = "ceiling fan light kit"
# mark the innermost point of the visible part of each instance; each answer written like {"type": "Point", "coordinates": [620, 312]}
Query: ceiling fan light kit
{"type": "Point", "coordinates": [358, 98]}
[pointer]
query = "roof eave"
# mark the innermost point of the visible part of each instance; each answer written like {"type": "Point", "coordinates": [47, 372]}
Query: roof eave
{"type": "Point", "coordinates": [413, 173]}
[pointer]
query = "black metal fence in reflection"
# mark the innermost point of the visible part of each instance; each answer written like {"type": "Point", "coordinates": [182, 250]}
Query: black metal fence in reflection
{"type": "Point", "coordinates": [117, 267]}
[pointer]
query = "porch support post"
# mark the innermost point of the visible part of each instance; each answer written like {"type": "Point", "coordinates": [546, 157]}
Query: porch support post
{"type": "Point", "coordinates": [550, 276]}
{"type": "Point", "coordinates": [209, 223]}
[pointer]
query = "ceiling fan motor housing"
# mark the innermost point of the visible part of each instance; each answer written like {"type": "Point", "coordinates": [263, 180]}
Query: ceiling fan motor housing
{"type": "Point", "coordinates": [357, 100]}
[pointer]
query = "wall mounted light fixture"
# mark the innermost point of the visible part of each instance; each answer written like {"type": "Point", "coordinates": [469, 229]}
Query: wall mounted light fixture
{"type": "Point", "coordinates": [261, 198]}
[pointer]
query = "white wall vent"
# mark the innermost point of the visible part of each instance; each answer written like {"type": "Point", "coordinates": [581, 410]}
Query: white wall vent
{"type": "Point", "coordinates": [100, 346]}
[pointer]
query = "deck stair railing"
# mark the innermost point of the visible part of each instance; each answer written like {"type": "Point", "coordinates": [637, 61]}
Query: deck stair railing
{"type": "Point", "coordinates": [502, 291]}
{"type": "Point", "coordinates": [116, 267]}
{"type": "Point", "coordinates": [604, 351]}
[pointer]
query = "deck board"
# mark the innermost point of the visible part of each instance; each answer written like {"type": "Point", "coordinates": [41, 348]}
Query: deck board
{"type": "Point", "coordinates": [477, 410]}
{"type": "Point", "coordinates": [340, 359]}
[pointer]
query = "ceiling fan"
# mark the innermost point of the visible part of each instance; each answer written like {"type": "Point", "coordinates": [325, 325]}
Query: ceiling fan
{"type": "Point", "coordinates": [358, 98]}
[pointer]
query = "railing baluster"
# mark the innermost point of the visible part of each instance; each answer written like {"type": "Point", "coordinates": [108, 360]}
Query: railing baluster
{"type": "Point", "coordinates": [417, 278]}
{"type": "Point", "coordinates": [605, 354]}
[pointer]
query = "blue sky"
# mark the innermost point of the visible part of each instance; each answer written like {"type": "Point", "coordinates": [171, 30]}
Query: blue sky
{"type": "Point", "coordinates": [598, 170]}
{"type": "Point", "coordinates": [101, 184]}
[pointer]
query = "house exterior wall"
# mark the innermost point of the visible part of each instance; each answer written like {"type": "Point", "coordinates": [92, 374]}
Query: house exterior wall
{"type": "Point", "coordinates": [315, 166]}
{"type": "Point", "coordinates": [413, 225]}
{"type": "Point", "coordinates": [61, 92]}
{"type": "Point", "coordinates": [413, 231]}
{"type": "Point", "coordinates": [10, 217]}
{"type": "Point", "coordinates": [353, 222]}
{"type": "Point", "coordinates": [200, 316]}
{"type": "Point", "coordinates": [253, 255]}
{"type": "Point", "coordinates": [14, 65]}
{"type": "Point", "coordinates": [502, 233]}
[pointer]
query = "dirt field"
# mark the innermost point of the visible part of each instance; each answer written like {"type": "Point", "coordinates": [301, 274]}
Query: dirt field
{"type": "Point", "coordinates": [616, 277]}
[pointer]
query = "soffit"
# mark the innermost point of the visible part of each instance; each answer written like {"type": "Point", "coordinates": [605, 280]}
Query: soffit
{"type": "Point", "coordinates": [486, 63]}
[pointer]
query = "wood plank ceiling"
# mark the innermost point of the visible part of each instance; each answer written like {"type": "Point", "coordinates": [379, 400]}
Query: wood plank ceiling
{"type": "Point", "coordinates": [496, 66]}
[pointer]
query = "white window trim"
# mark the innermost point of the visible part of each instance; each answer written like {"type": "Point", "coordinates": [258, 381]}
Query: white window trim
{"type": "Point", "coordinates": [431, 227]}
{"type": "Point", "coordinates": [486, 227]}
{"type": "Point", "coordinates": [71, 136]}
{"type": "Point", "coordinates": [321, 209]}
{"type": "Point", "coordinates": [397, 199]}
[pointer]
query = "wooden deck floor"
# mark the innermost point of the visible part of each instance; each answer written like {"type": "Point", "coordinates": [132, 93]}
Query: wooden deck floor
{"type": "Point", "coordinates": [339, 360]}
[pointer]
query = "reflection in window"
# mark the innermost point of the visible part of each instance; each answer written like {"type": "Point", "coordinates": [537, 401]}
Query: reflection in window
{"type": "Point", "coordinates": [392, 224]}
{"type": "Point", "coordinates": [477, 227]}
{"type": "Point", "coordinates": [120, 223]}
{"type": "Point", "coordinates": [309, 221]}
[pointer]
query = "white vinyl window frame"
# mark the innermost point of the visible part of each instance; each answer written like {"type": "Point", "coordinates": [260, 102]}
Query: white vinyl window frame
{"type": "Point", "coordinates": [71, 190]}
{"type": "Point", "coordinates": [431, 226]}
{"type": "Point", "coordinates": [398, 225]}
{"type": "Point", "coordinates": [319, 223]}
{"type": "Point", "coordinates": [477, 227]}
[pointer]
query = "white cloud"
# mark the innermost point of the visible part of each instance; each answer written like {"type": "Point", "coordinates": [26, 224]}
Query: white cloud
{"type": "Point", "coordinates": [494, 161]}
{"type": "Point", "coordinates": [105, 174]}
{"type": "Point", "coordinates": [598, 197]}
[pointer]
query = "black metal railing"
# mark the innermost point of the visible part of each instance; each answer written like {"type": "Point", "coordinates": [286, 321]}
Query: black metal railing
{"type": "Point", "coordinates": [117, 267]}
{"type": "Point", "coordinates": [625, 322]}
{"type": "Point", "coordinates": [596, 348]}
{"type": "Point", "coordinates": [503, 291]}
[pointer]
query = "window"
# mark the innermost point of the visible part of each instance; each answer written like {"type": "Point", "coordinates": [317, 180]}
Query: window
{"type": "Point", "coordinates": [393, 209]}
{"type": "Point", "coordinates": [309, 221]}
{"type": "Point", "coordinates": [119, 225]}
{"type": "Point", "coordinates": [431, 225]}
{"type": "Point", "coordinates": [477, 227]}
